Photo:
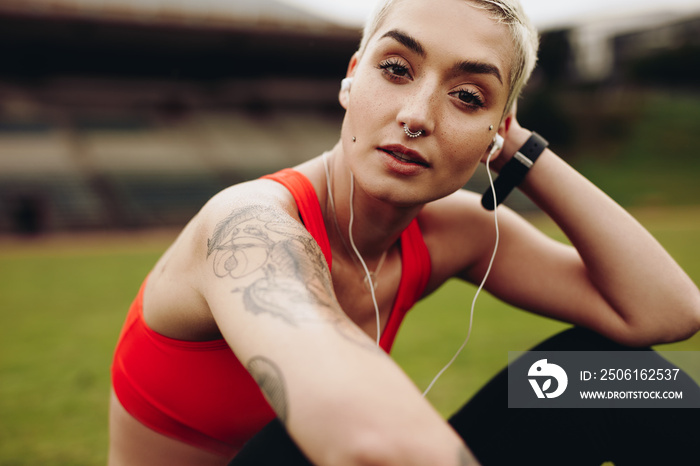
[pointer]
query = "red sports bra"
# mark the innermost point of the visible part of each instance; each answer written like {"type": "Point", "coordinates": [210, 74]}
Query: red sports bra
{"type": "Point", "coordinates": [198, 392]}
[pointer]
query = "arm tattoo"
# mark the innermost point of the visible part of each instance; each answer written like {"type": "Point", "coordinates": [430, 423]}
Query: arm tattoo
{"type": "Point", "coordinates": [258, 243]}
{"type": "Point", "coordinates": [269, 378]}
{"type": "Point", "coordinates": [261, 249]}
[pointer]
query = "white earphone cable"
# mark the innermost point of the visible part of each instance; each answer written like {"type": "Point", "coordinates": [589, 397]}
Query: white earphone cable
{"type": "Point", "coordinates": [370, 282]}
{"type": "Point", "coordinates": [359, 256]}
{"type": "Point", "coordinates": [483, 281]}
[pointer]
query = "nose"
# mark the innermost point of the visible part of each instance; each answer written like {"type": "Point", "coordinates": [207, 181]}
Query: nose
{"type": "Point", "coordinates": [417, 110]}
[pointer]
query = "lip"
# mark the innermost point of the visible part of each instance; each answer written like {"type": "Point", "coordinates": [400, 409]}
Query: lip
{"type": "Point", "coordinates": [404, 155]}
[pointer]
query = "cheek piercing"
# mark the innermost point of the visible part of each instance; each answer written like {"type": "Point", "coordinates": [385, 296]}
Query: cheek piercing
{"type": "Point", "coordinates": [354, 139]}
{"type": "Point", "coordinates": [491, 128]}
{"type": "Point", "coordinates": [412, 134]}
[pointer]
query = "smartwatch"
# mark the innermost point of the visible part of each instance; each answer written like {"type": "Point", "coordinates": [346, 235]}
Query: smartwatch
{"type": "Point", "coordinates": [514, 170]}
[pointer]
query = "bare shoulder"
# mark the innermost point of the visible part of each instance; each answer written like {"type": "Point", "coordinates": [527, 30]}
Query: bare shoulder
{"type": "Point", "coordinates": [174, 302]}
{"type": "Point", "coordinates": [262, 193]}
{"type": "Point", "coordinates": [461, 206]}
{"type": "Point", "coordinates": [252, 234]}
{"type": "Point", "coordinates": [249, 197]}
{"type": "Point", "coordinates": [263, 269]}
{"type": "Point", "coordinates": [452, 229]}
{"type": "Point", "coordinates": [237, 221]}
{"type": "Point", "coordinates": [460, 233]}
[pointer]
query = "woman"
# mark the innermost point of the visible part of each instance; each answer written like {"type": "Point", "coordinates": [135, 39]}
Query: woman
{"type": "Point", "coordinates": [291, 281]}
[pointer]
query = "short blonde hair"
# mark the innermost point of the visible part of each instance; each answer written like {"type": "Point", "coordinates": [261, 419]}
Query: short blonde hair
{"type": "Point", "coordinates": [509, 12]}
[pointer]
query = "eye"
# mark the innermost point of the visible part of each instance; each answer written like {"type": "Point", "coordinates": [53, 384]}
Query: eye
{"type": "Point", "coordinates": [468, 97]}
{"type": "Point", "coordinates": [394, 69]}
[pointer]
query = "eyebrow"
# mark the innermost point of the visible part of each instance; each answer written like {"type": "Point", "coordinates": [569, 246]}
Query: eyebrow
{"type": "Point", "coordinates": [478, 67]}
{"type": "Point", "coordinates": [468, 67]}
{"type": "Point", "coordinates": [406, 40]}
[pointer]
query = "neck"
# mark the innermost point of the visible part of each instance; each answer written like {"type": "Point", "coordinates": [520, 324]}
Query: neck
{"type": "Point", "coordinates": [376, 226]}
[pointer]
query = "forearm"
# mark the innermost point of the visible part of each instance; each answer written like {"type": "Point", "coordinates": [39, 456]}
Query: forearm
{"type": "Point", "coordinates": [344, 401]}
{"type": "Point", "coordinates": [368, 412]}
{"type": "Point", "coordinates": [629, 268]}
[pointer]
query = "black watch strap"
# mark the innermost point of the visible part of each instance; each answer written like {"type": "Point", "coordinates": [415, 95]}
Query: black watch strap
{"type": "Point", "coordinates": [514, 171]}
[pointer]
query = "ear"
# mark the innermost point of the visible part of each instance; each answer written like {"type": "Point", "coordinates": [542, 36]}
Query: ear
{"type": "Point", "coordinates": [502, 131]}
{"type": "Point", "coordinates": [508, 120]}
{"type": "Point", "coordinates": [344, 94]}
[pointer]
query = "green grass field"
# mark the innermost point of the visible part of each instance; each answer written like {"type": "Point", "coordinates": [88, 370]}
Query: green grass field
{"type": "Point", "coordinates": [62, 302]}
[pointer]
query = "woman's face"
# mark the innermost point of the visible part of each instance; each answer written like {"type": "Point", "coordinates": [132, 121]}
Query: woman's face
{"type": "Point", "coordinates": [440, 66]}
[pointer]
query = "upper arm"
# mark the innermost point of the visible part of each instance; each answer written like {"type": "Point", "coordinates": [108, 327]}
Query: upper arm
{"type": "Point", "coordinates": [538, 273]}
{"type": "Point", "coordinates": [263, 265]}
{"type": "Point", "coordinates": [270, 292]}
{"type": "Point", "coordinates": [530, 271]}
{"type": "Point", "coordinates": [535, 272]}
{"type": "Point", "coordinates": [266, 282]}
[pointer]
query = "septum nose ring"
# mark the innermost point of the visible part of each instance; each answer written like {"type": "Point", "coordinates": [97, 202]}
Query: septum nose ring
{"type": "Point", "coordinates": [412, 134]}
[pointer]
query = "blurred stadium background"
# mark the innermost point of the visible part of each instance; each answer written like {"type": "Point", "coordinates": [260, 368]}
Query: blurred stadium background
{"type": "Point", "coordinates": [120, 115]}
{"type": "Point", "coordinates": [127, 115]}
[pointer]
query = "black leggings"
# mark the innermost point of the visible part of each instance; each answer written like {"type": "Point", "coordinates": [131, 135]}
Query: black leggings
{"type": "Point", "coordinates": [498, 435]}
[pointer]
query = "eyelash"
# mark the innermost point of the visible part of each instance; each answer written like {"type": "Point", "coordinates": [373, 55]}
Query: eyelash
{"type": "Point", "coordinates": [470, 98]}
{"type": "Point", "coordinates": [390, 67]}
{"type": "Point", "coordinates": [394, 70]}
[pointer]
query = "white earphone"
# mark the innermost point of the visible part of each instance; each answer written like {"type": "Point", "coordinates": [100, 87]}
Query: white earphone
{"type": "Point", "coordinates": [345, 84]}
{"type": "Point", "coordinates": [497, 143]}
